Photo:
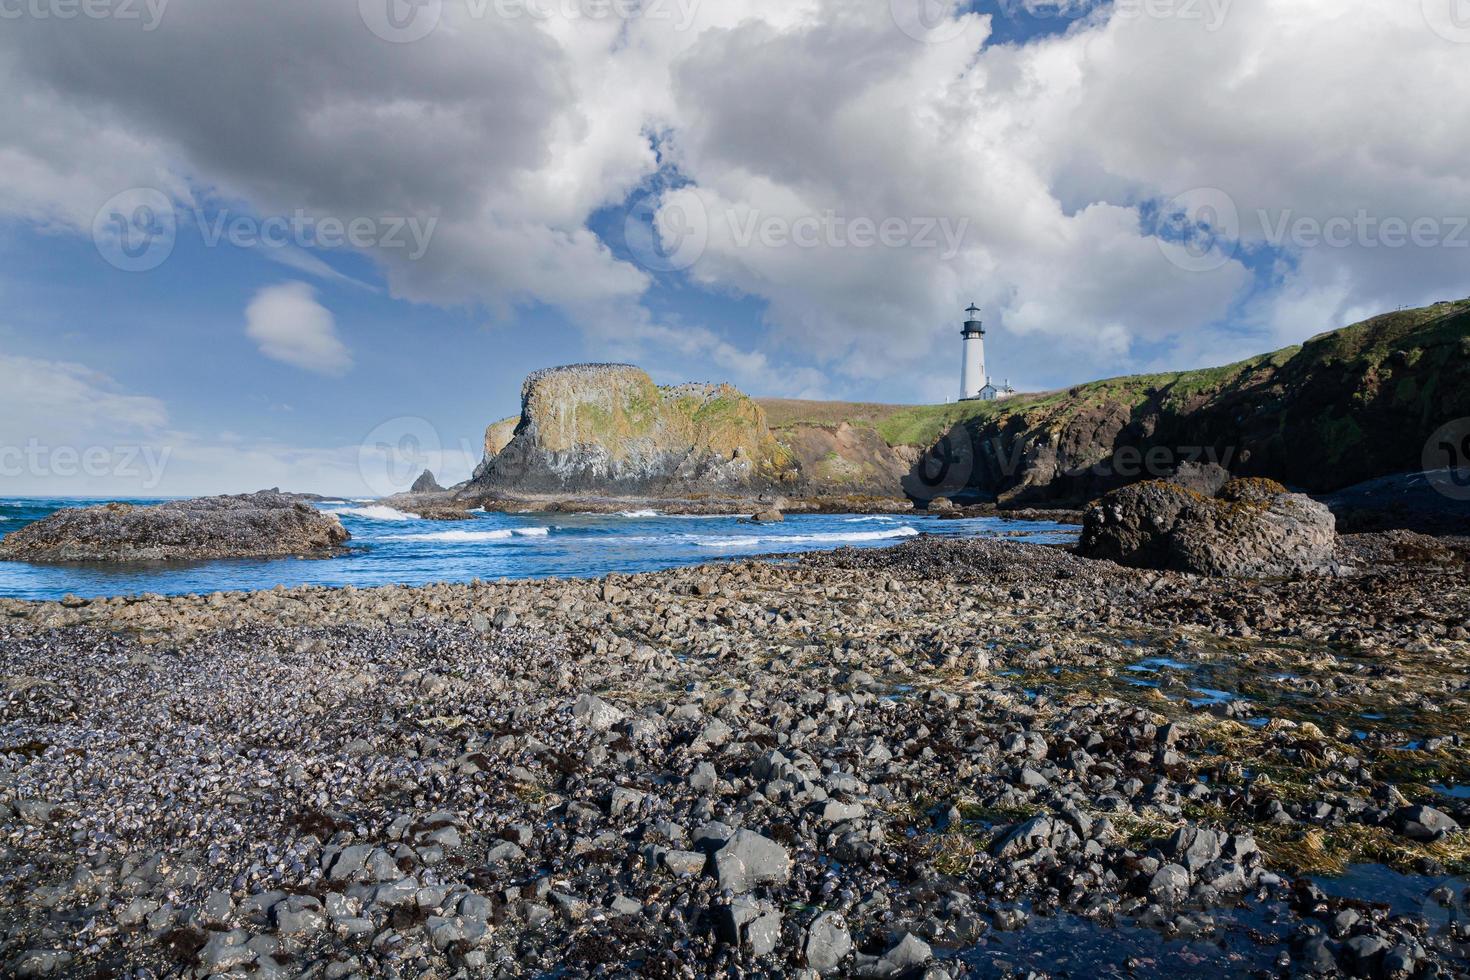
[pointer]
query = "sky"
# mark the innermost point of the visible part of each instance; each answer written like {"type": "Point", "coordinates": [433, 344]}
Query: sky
{"type": "Point", "coordinates": [319, 245]}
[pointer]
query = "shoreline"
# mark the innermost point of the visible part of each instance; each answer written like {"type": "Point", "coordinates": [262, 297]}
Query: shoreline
{"type": "Point", "coordinates": [917, 743]}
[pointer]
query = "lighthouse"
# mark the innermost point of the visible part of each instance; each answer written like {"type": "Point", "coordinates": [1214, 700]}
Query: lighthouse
{"type": "Point", "coordinates": [973, 381]}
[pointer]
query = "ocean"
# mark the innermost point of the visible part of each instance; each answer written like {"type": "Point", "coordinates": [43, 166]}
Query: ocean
{"type": "Point", "coordinates": [390, 547]}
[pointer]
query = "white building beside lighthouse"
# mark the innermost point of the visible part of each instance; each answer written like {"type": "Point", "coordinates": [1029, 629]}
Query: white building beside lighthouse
{"type": "Point", "coordinates": [974, 382]}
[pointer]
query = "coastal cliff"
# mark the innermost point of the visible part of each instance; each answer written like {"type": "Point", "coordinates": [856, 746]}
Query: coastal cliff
{"type": "Point", "coordinates": [607, 428]}
{"type": "Point", "coordinates": [1348, 406]}
{"type": "Point", "coordinates": [1352, 405]}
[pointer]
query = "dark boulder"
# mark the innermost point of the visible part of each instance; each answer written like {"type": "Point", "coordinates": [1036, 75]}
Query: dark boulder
{"type": "Point", "coordinates": [1253, 529]}
{"type": "Point", "coordinates": [1424, 823]}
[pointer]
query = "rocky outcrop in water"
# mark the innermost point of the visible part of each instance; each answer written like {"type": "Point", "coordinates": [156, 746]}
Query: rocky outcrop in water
{"type": "Point", "coordinates": [607, 428]}
{"type": "Point", "coordinates": [426, 484]}
{"type": "Point", "coordinates": [1253, 529]}
{"type": "Point", "coordinates": [259, 525]}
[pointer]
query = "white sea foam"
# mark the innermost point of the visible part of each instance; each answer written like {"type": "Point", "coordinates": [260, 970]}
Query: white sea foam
{"type": "Point", "coordinates": [871, 519]}
{"type": "Point", "coordinates": [378, 513]}
{"type": "Point", "coordinates": [649, 514]}
{"type": "Point", "coordinates": [467, 537]}
{"type": "Point", "coordinates": [852, 537]}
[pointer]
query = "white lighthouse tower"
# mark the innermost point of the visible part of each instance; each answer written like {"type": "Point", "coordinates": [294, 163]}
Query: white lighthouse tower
{"type": "Point", "coordinates": [973, 381]}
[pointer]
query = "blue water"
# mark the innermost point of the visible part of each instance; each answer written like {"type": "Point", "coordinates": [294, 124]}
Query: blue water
{"type": "Point", "coordinates": [389, 547]}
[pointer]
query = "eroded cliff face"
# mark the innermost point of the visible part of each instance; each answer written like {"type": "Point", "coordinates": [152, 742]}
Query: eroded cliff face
{"type": "Point", "coordinates": [847, 460]}
{"type": "Point", "coordinates": [1355, 404]}
{"type": "Point", "coordinates": [608, 429]}
{"type": "Point", "coordinates": [499, 435]}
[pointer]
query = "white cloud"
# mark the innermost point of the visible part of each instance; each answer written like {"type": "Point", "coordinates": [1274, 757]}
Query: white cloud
{"type": "Point", "coordinates": [290, 326]}
{"type": "Point", "coordinates": [68, 430]}
{"type": "Point", "coordinates": [49, 401]}
{"type": "Point", "coordinates": [513, 132]}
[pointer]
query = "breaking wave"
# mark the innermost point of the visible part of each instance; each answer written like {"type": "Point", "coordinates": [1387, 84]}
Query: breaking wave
{"type": "Point", "coordinates": [650, 514]}
{"type": "Point", "coordinates": [466, 537]}
{"type": "Point", "coordinates": [378, 513]}
{"type": "Point", "coordinates": [759, 540]}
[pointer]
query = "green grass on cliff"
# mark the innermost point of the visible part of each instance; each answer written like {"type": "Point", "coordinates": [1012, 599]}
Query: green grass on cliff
{"type": "Point", "coordinates": [1365, 346]}
{"type": "Point", "coordinates": [788, 413]}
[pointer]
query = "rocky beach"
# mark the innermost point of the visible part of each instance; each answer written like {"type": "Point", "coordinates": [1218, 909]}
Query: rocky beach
{"type": "Point", "coordinates": [947, 758]}
{"type": "Point", "coordinates": [758, 490]}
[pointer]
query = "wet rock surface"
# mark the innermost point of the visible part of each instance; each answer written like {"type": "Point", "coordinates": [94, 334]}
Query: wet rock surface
{"type": "Point", "coordinates": [944, 759]}
{"type": "Point", "coordinates": [1252, 528]}
{"type": "Point", "coordinates": [258, 525]}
